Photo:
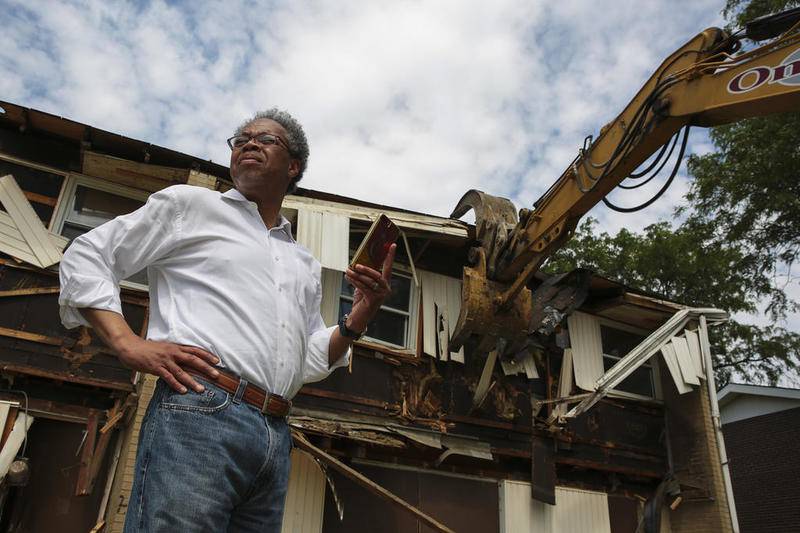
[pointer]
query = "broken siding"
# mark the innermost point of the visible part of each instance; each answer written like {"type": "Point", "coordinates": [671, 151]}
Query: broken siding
{"type": "Point", "coordinates": [27, 222]}
{"type": "Point", "coordinates": [587, 349]}
{"type": "Point", "coordinates": [441, 298]}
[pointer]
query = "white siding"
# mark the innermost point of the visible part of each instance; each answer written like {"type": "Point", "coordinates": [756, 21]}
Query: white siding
{"type": "Point", "coordinates": [671, 358]}
{"type": "Point", "coordinates": [587, 349]}
{"type": "Point", "coordinates": [575, 511]}
{"type": "Point", "coordinates": [331, 288]}
{"type": "Point", "coordinates": [444, 293]}
{"type": "Point", "coordinates": [37, 248]}
{"type": "Point", "coordinates": [327, 236]}
{"type": "Point", "coordinates": [305, 498]}
{"type": "Point", "coordinates": [694, 348]}
{"type": "Point", "coordinates": [581, 511]}
{"type": "Point", "coordinates": [688, 371]}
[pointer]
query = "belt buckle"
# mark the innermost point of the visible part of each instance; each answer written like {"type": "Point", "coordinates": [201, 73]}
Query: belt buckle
{"type": "Point", "coordinates": [266, 404]}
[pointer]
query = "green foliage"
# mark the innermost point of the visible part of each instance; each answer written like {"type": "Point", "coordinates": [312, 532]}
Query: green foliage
{"type": "Point", "coordinates": [737, 12]}
{"type": "Point", "coordinates": [690, 265]}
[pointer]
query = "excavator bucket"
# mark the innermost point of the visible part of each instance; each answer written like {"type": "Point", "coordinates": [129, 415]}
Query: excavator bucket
{"type": "Point", "coordinates": [481, 316]}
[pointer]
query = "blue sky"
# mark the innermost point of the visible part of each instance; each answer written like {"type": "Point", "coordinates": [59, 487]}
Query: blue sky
{"type": "Point", "coordinates": [406, 103]}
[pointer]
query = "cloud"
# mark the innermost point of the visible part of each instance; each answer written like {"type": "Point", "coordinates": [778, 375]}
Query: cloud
{"type": "Point", "coordinates": [406, 103]}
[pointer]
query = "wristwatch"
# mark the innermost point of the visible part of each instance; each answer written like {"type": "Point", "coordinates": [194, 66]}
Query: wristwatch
{"type": "Point", "coordinates": [344, 331]}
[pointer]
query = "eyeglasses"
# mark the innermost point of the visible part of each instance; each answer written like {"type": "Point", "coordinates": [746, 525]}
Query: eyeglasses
{"type": "Point", "coordinates": [264, 139]}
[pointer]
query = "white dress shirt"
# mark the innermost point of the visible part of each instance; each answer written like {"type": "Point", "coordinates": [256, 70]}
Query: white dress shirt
{"type": "Point", "coordinates": [219, 280]}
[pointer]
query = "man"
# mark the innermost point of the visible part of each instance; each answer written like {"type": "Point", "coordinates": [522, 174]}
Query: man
{"type": "Point", "coordinates": [235, 330]}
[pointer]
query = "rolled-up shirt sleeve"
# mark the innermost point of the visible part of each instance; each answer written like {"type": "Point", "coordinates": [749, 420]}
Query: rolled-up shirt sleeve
{"type": "Point", "coordinates": [317, 366]}
{"type": "Point", "coordinates": [96, 262]}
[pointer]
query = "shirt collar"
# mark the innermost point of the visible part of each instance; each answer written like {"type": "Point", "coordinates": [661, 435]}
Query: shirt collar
{"type": "Point", "coordinates": [283, 224]}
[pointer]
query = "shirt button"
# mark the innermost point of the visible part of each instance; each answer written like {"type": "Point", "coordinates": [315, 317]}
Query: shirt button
{"type": "Point", "coordinates": [276, 258]}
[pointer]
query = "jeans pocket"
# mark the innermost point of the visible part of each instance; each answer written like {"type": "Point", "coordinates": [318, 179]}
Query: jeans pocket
{"type": "Point", "coordinates": [211, 400]}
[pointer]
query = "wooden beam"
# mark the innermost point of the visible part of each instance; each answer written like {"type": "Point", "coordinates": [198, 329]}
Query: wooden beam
{"type": "Point", "coordinates": [141, 176]}
{"type": "Point", "coordinates": [354, 475]}
{"type": "Point", "coordinates": [82, 487]}
{"type": "Point", "coordinates": [66, 376]}
{"type": "Point", "coordinates": [40, 198]}
{"type": "Point", "coordinates": [51, 410]}
{"type": "Point", "coordinates": [332, 395]}
{"type": "Point", "coordinates": [30, 291]}
{"type": "Point", "coordinates": [28, 336]}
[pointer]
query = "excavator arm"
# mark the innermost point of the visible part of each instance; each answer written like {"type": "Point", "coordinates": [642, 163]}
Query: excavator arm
{"type": "Point", "coordinates": [702, 84]}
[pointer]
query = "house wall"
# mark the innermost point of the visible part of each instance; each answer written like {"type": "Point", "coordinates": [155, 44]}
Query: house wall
{"type": "Point", "coordinates": [765, 471]}
{"type": "Point", "coordinates": [750, 405]}
{"type": "Point", "coordinates": [704, 508]}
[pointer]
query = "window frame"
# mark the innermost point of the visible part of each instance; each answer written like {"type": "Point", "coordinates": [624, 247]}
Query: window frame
{"type": "Point", "coordinates": [412, 314]}
{"type": "Point", "coordinates": [66, 201]}
{"type": "Point", "coordinates": [652, 362]}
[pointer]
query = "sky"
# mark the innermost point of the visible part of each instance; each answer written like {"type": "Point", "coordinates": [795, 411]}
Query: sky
{"type": "Point", "coordinates": [405, 103]}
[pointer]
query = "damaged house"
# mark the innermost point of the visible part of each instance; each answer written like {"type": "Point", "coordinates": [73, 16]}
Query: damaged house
{"type": "Point", "coordinates": [605, 422]}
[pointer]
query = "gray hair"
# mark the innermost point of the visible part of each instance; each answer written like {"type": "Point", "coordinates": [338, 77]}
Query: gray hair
{"type": "Point", "coordinates": [295, 138]}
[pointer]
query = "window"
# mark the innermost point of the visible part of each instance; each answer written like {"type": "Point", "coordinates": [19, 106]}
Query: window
{"type": "Point", "coordinates": [391, 324]}
{"type": "Point", "coordinates": [617, 343]}
{"type": "Point", "coordinates": [87, 202]}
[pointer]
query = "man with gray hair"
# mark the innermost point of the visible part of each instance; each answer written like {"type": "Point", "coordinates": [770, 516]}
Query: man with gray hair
{"type": "Point", "coordinates": [235, 330]}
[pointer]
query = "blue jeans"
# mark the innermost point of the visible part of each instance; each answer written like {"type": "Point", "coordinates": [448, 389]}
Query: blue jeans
{"type": "Point", "coordinates": [208, 463]}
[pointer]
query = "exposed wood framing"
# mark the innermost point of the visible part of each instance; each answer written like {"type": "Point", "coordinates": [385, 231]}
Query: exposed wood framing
{"type": "Point", "coordinates": [30, 291]}
{"type": "Point", "coordinates": [301, 442]}
{"type": "Point", "coordinates": [35, 337]}
{"type": "Point", "coordinates": [30, 164]}
{"type": "Point", "coordinates": [40, 198]}
{"type": "Point", "coordinates": [138, 175]}
{"type": "Point", "coordinates": [66, 376]}
{"type": "Point", "coordinates": [360, 400]}
{"type": "Point", "coordinates": [92, 455]}
{"type": "Point", "coordinates": [201, 179]}
{"type": "Point", "coordinates": [52, 410]}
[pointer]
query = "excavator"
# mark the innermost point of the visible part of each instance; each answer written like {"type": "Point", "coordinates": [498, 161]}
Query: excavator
{"type": "Point", "coordinates": [712, 80]}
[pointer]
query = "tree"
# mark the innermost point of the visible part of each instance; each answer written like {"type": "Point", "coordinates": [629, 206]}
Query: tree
{"type": "Point", "coordinates": [689, 265]}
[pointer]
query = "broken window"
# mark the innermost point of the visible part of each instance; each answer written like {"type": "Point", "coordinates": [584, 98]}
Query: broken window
{"type": "Point", "coordinates": [617, 343]}
{"type": "Point", "coordinates": [598, 344]}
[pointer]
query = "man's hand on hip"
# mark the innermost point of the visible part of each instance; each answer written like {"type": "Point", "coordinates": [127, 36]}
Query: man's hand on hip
{"type": "Point", "coordinates": [164, 359]}
{"type": "Point", "coordinates": [168, 361]}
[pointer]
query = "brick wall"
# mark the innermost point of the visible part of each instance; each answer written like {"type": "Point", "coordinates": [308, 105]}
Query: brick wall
{"type": "Point", "coordinates": [704, 508]}
{"type": "Point", "coordinates": [765, 470]}
{"type": "Point", "coordinates": [123, 479]}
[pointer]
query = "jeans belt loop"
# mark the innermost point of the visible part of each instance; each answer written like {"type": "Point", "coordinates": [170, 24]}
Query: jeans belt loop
{"type": "Point", "coordinates": [237, 397]}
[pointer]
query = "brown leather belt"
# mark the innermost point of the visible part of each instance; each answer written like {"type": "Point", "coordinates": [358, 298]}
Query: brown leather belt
{"type": "Point", "coordinates": [266, 402]}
